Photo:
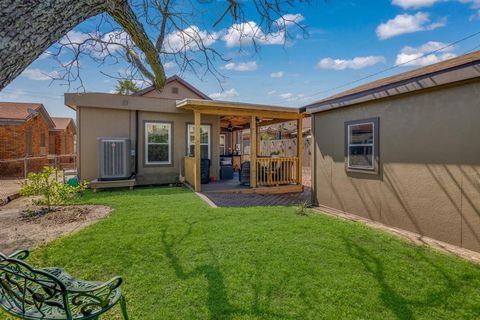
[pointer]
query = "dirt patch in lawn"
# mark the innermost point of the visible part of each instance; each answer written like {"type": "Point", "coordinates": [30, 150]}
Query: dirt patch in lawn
{"type": "Point", "coordinates": [25, 226]}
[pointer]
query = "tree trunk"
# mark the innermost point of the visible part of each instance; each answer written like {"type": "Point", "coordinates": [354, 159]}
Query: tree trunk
{"type": "Point", "coordinates": [122, 13]}
{"type": "Point", "coordinates": [29, 27]}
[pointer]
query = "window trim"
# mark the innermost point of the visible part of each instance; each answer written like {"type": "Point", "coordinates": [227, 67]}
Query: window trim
{"type": "Point", "coordinates": [146, 143]}
{"type": "Point", "coordinates": [374, 169]}
{"type": "Point", "coordinates": [224, 146]}
{"type": "Point", "coordinates": [209, 138]}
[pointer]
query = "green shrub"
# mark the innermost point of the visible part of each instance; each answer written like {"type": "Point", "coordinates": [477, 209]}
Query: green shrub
{"type": "Point", "coordinates": [52, 191]}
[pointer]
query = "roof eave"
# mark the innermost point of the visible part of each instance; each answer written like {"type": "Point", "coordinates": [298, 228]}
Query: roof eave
{"type": "Point", "coordinates": [413, 85]}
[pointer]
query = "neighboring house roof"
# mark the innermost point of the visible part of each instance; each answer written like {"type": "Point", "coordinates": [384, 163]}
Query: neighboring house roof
{"type": "Point", "coordinates": [62, 124]}
{"type": "Point", "coordinates": [17, 112]}
{"type": "Point", "coordinates": [171, 79]}
{"type": "Point", "coordinates": [446, 72]}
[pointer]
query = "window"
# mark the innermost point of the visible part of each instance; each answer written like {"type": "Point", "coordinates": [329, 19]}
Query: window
{"type": "Point", "coordinates": [158, 143]}
{"type": "Point", "coordinates": [42, 139]}
{"type": "Point", "coordinates": [175, 90]}
{"type": "Point", "coordinates": [28, 142]}
{"type": "Point", "coordinates": [204, 141]}
{"type": "Point", "coordinates": [362, 145]}
{"type": "Point", "coordinates": [222, 144]}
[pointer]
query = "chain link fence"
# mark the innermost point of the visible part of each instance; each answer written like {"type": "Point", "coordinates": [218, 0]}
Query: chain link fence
{"type": "Point", "coordinates": [21, 167]}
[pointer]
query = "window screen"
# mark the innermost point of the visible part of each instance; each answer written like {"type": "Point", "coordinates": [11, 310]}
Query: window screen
{"type": "Point", "coordinates": [361, 144]}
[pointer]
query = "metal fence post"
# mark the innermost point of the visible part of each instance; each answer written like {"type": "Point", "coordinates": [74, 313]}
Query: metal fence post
{"type": "Point", "coordinates": [25, 167]}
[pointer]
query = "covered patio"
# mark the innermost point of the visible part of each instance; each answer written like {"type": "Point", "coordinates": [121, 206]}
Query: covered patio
{"type": "Point", "coordinates": [259, 173]}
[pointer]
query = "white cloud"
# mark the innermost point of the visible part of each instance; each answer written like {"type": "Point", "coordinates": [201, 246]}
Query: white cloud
{"type": "Point", "coordinates": [407, 54]}
{"type": "Point", "coordinates": [474, 4]}
{"type": "Point", "coordinates": [355, 63]}
{"type": "Point", "coordinates": [475, 16]}
{"type": "Point", "coordinates": [169, 65]}
{"type": "Point", "coordinates": [97, 44]}
{"type": "Point", "coordinates": [414, 4]}
{"type": "Point", "coordinates": [292, 97]}
{"type": "Point", "coordinates": [141, 83]}
{"type": "Point", "coordinates": [16, 94]}
{"type": "Point", "coordinates": [241, 66]}
{"type": "Point", "coordinates": [113, 41]}
{"type": "Point", "coordinates": [45, 55]}
{"type": "Point", "coordinates": [38, 74]}
{"type": "Point", "coordinates": [290, 19]}
{"type": "Point", "coordinates": [189, 39]}
{"type": "Point", "coordinates": [271, 92]}
{"type": "Point", "coordinates": [231, 93]}
{"type": "Point", "coordinates": [278, 74]}
{"type": "Point", "coordinates": [247, 33]}
{"type": "Point", "coordinates": [287, 96]}
{"type": "Point", "coordinates": [406, 23]}
{"type": "Point", "coordinates": [74, 37]}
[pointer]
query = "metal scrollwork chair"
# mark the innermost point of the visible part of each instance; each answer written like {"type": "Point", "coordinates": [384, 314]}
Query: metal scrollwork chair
{"type": "Point", "coordinates": [53, 294]}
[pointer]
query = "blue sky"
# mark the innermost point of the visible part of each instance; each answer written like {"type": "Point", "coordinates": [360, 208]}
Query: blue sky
{"type": "Point", "coordinates": [347, 40]}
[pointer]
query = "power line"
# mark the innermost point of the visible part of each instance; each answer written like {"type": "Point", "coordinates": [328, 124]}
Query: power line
{"type": "Point", "coordinates": [397, 65]}
{"type": "Point", "coordinates": [35, 94]}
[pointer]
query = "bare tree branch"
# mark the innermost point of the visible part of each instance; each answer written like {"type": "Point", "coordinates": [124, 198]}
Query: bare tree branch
{"type": "Point", "coordinates": [146, 34]}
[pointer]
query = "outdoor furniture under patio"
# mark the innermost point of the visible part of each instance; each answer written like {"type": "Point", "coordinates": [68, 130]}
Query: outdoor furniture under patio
{"type": "Point", "coordinates": [53, 294]}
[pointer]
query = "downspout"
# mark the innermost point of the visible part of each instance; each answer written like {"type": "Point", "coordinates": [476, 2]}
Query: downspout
{"type": "Point", "coordinates": [136, 142]}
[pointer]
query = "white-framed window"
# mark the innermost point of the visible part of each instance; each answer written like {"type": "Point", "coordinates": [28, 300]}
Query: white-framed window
{"type": "Point", "coordinates": [361, 144]}
{"type": "Point", "coordinates": [158, 143]}
{"type": "Point", "coordinates": [205, 152]}
{"type": "Point", "coordinates": [222, 144]}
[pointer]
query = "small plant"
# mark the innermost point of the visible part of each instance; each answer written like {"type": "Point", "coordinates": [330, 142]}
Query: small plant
{"type": "Point", "coordinates": [302, 208]}
{"type": "Point", "coordinates": [52, 191]}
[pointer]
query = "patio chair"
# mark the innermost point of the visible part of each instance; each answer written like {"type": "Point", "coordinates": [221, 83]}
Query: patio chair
{"type": "Point", "coordinates": [53, 294]}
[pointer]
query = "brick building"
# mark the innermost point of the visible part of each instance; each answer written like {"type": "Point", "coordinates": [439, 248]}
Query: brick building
{"type": "Point", "coordinates": [62, 136]}
{"type": "Point", "coordinates": [26, 130]}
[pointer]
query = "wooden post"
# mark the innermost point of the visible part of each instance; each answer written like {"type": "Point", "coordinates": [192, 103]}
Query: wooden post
{"type": "Point", "coordinates": [253, 152]}
{"type": "Point", "coordinates": [300, 149]}
{"type": "Point", "coordinates": [198, 121]}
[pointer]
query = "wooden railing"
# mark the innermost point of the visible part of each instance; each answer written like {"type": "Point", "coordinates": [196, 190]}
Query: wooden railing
{"type": "Point", "coordinates": [277, 171]}
{"type": "Point", "coordinates": [190, 170]}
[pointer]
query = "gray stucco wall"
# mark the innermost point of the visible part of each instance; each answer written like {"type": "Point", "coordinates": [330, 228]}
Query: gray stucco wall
{"type": "Point", "coordinates": [429, 155]}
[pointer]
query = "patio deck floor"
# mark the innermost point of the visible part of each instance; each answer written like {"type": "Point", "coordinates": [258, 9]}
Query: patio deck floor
{"type": "Point", "coordinates": [223, 199]}
{"type": "Point", "coordinates": [221, 185]}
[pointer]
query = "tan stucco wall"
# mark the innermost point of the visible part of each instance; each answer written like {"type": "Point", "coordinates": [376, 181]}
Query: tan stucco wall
{"type": "Point", "coordinates": [166, 93]}
{"type": "Point", "coordinates": [429, 154]}
{"type": "Point", "coordinates": [151, 174]}
{"type": "Point", "coordinates": [101, 122]}
{"type": "Point", "coordinates": [94, 123]}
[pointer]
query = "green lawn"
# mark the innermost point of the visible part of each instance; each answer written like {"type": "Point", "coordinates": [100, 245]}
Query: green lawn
{"type": "Point", "coordinates": [183, 260]}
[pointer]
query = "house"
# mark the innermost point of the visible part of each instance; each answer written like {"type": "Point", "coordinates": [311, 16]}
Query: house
{"type": "Point", "coordinates": [24, 131]}
{"type": "Point", "coordinates": [172, 135]}
{"type": "Point", "coordinates": [404, 151]}
{"type": "Point", "coordinates": [62, 136]}
{"type": "Point", "coordinates": [28, 132]}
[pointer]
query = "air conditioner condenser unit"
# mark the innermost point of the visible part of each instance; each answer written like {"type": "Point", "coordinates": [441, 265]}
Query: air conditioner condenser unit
{"type": "Point", "coordinates": [113, 158]}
